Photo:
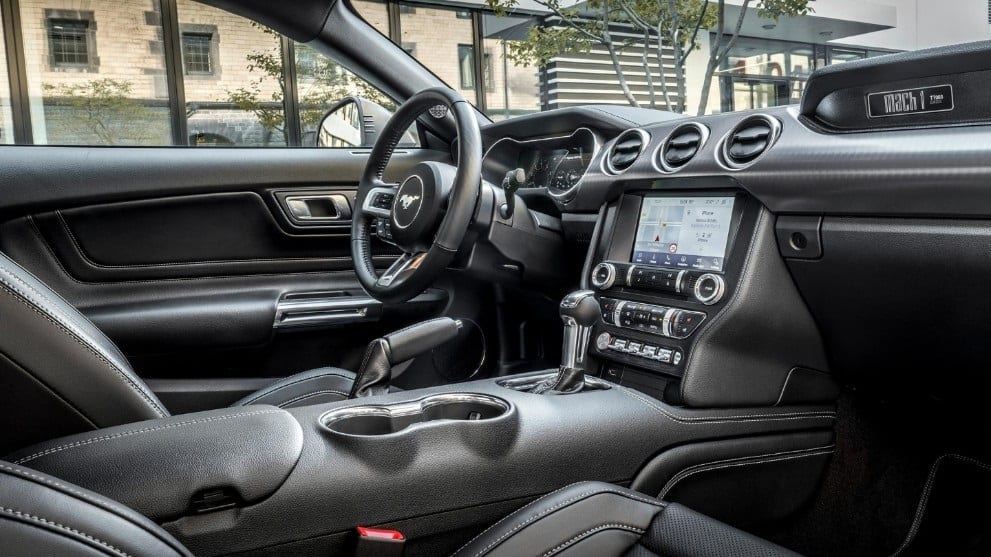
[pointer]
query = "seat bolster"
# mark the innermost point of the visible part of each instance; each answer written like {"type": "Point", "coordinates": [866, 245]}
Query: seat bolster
{"type": "Point", "coordinates": [41, 515]}
{"type": "Point", "coordinates": [317, 386]}
{"type": "Point", "coordinates": [587, 518]}
{"type": "Point", "coordinates": [681, 532]}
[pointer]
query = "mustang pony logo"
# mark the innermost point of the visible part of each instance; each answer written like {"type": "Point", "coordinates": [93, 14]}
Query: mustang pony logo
{"type": "Point", "coordinates": [407, 200]}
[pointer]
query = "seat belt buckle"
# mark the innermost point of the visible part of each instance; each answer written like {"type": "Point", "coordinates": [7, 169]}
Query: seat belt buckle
{"type": "Point", "coordinates": [379, 542]}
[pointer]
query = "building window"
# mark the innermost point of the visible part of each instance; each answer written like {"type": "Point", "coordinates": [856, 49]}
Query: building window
{"type": "Point", "coordinates": [197, 57]}
{"type": "Point", "coordinates": [465, 14]}
{"type": "Point", "coordinates": [466, 67]}
{"type": "Point", "coordinates": [406, 9]}
{"type": "Point", "coordinates": [68, 42]}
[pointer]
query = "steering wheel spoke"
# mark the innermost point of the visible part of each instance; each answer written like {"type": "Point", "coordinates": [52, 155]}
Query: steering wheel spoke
{"type": "Point", "coordinates": [378, 200]}
{"type": "Point", "coordinates": [402, 267]}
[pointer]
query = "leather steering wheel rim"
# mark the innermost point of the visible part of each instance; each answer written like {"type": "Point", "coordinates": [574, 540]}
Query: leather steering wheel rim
{"type": "Point", "coordinates": [413, 273]}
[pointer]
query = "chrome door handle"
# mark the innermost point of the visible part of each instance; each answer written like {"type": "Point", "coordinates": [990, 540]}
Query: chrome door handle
{"type": "Point", "coordinates": [327, 207]}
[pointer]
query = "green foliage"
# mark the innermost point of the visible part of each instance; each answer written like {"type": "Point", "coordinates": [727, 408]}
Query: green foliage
{"type": "Point", "coordinates": [544, 43]}
{"type": "Point", "coordinates": [103, 111]}
{"type": "Point", "coordinates": [321, 83]}
{"type": "Point", "coordinates": [775, 9]}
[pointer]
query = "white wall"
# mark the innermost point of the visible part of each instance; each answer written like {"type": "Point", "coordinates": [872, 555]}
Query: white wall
{"type": "Point", "coordinates": [928, 23]}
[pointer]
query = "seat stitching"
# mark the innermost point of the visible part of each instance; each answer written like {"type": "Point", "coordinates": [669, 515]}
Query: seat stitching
{"type": "Point", "coordinates": [49, 389]}
{"type": "Point", "coordinates": [267, 392]}
{"type": "Point", "coordinates": [38, 519]}
{"type": "Point", "coordinates": [106, 504]}
{"type": "Point", "coordinates": [590, 531]}
{"type": "Point", "coordinates": [743, 461]}
{"type": "Point", "coordinates": [729, 419]}
{"type": "Point", "coordinates": [89, 346]}
{"type": "Point", "coordinates": [560, 505]}
{"type": "Point", "coordinates": [511, 515]}
{"type": "Point", "coordinates": [314, 393]}
{"type": "Point", "coordinates": [139, 431]}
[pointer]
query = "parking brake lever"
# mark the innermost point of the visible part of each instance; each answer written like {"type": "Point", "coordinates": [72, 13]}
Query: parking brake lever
{"type": "Point", "coordinates": [382, 354]}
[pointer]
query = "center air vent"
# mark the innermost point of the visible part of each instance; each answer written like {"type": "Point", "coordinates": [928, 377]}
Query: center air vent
{"type": "Point", "coordinates": [625, 151]}
{"type": "Point", "coordinates": [683, 144]}
{"type": "Point", "coordinates": [749, 140]}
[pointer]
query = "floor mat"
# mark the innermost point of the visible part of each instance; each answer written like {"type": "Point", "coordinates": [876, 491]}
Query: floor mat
{"type": "Point", "coordinates": [953, 516]}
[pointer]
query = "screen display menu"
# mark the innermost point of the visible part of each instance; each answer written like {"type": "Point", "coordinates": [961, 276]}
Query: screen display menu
{"type": "Point", "coordinates": [683, 232]}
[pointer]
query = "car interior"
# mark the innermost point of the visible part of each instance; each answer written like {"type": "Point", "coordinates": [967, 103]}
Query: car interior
{"type": "Point", "coordinates": [465, 340]}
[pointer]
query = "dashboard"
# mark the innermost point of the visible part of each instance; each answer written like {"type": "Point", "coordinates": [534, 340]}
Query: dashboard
{"type": "Point", "coordinates": [557, 163]}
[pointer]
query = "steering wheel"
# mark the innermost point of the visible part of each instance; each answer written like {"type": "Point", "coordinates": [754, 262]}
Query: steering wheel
{"type": "Point", "coordinates": [427, 214]}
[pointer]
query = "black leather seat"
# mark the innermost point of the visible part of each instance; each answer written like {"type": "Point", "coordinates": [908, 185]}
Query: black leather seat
{"type": "Point", "coordinates": [41, 515]}
{"type": "Point", "coordinates": [59, 374]}
{"type": "Point", "coordinates": [596, 519]}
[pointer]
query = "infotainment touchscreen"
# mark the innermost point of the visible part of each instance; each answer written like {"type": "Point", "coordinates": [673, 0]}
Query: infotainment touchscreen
{"type": "Point", "coordinates": [683, 232]}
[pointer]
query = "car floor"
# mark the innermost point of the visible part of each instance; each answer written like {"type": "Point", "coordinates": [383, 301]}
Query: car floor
{"type": "Point", "coordinates": [874, 493]}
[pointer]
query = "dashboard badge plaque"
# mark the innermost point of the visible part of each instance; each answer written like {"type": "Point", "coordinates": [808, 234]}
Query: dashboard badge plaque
{"type": "Point", "coordinates": [938, 98]}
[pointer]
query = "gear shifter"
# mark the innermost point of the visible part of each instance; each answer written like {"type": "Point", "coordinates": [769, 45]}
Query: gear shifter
{"type": "Point", "coordinates": [579, 312]}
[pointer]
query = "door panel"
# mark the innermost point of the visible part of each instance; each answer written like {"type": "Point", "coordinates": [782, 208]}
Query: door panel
{"type": "Point", "coordinates": [181, 255]}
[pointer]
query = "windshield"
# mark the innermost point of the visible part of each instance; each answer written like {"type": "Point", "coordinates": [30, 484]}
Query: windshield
{"type": "Point", "coordinates": [687, 56]}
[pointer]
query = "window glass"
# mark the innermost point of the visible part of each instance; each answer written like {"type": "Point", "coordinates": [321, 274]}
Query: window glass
{"type": "Point", "coordinates": [234, 80]}
{"type": "Point", "coordinates": [433, 37]}
{"type": "Point", "coordinates": [512, 87]}
{"type": "Point", "coordinates": [83, 89]}
{"type": "Point", "coordinates": [323, 84]}
{"type": "Point", "coordinates": [375, 13]}
{"type": "Point", "coordinates": [6, 118]}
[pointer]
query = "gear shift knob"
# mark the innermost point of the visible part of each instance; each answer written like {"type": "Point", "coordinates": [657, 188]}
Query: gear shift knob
{"type": "Point", "coordinates": [579, 312]}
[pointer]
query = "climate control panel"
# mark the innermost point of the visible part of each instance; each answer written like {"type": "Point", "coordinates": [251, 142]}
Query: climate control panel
{"type": "Point", "coordinates": [649, 318]}
{"type": "Point", "coordinates": [707, 288]}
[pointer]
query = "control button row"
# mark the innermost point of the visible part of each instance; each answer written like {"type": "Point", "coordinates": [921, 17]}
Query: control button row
{"type": "Point", "coordinates": [649, 318]}
{"type": "Point", "coordinates": [383, 229]}
{"type": "Point", "coordinates": [707, 288]}
{"type": "Point", "coordinates": [606, 342]}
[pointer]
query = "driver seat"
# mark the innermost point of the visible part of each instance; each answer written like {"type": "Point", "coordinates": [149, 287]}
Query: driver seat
{"type": "Point", "coordinates": [60, 375]}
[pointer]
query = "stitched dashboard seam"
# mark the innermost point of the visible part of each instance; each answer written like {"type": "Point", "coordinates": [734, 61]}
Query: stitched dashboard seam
{"type": "Point", "coordinates": [65, 272]}
{"type": "Point", "coordinates": [784, 416]}
{"type": "Point", "coordinates": [742, 461]}
{"type": "Point", "coordinates": [92, 440]}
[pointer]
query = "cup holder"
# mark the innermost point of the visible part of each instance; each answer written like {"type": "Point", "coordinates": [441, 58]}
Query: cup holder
{"type": "Point", "coordinates": [393, 418]}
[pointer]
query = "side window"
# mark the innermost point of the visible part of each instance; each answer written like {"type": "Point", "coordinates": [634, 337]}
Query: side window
{"type": "Point", "coordinates": [95, 76]}
{"type": "Point", "coordinates": [6, 112]}
{"type": "Point", "coordinates": [103, 72]}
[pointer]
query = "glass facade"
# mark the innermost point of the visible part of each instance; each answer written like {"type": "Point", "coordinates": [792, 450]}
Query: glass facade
{"type": "Point", "coordinates": [760, 73]}
{"type": "Point", "coordinates": [104, 72]}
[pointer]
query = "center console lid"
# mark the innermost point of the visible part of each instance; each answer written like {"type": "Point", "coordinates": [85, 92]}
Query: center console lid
{"type": "Point", "coordinates": [179, 465]}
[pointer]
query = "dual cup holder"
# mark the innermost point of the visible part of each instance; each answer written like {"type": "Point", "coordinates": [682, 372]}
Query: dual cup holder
{"type": "Point", "coordinates": [394, 418]}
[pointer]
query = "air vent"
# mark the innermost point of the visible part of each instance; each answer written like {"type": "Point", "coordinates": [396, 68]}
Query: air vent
{"type": "Point", "coordinates": [683, 144]}
{"type": "Point", "coordinates": [749, 140]}
{"type": "Point", "coordinates": [625, 151]}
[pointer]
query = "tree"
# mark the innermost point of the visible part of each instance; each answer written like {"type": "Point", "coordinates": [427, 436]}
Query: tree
{"type": "Point", "coordinates": [102, 112]}
{"type": "Point", "coordinates": [661, 24]}
{"type": "Point", "coordinates": [321, 82]}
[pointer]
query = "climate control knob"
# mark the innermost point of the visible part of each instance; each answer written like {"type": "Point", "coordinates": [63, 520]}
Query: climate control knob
{"type": "Point", "coordinates": [709, 288]}
{"type": "Point", "coordinates": [603, 276]}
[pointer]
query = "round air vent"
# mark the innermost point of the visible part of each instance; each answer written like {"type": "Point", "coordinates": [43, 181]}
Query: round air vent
{"type": "Point", "coordinates": [683, 144]}
{"type": "Point", "coordinates": [749, 140]}
{"type": "Point", "coordinates": [625, 151]}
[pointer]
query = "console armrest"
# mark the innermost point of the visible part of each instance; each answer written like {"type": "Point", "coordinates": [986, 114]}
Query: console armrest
{"type": "Point", "coordinates": [178, 465]}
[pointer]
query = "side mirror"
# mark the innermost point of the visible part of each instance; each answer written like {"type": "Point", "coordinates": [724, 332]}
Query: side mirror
{"type": "Point", "coordinates": [355, 122]}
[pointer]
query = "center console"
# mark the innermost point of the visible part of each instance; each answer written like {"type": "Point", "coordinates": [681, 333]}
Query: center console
{"type": "Point", "coordinates": [697, 307]}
